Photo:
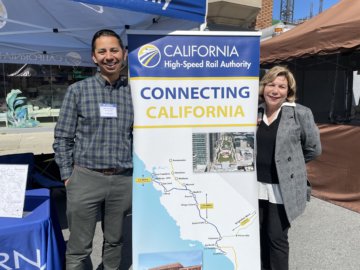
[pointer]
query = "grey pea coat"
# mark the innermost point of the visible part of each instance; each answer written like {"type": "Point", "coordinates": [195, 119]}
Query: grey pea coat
{"type": "Point", "coordinates": [297, 142]}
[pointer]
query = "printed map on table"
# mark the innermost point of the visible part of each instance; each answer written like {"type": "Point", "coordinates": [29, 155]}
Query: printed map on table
{"type": "Point", "coordinates": [12, 186]}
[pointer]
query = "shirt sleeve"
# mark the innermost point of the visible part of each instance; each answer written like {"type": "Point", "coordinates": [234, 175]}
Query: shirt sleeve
{"type": "Point", "coordinates": [65, 133]}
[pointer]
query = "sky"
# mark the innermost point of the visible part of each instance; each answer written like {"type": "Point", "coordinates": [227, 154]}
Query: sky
{"type": "Point", "coordinates": [302, 8]}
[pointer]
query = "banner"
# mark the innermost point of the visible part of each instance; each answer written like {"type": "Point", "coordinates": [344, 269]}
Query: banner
{"type": "Point", "coordinates": [181, 9]}
{"type": "Point", "coordinates": [195, 201]}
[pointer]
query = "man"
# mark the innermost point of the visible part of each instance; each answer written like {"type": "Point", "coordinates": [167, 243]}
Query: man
{"type": "Point", "coordinates": [93, 149]}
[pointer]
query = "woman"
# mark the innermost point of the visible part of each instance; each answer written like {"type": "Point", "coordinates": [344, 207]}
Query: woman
{"type": "Point", "coordinates": [287, 137]}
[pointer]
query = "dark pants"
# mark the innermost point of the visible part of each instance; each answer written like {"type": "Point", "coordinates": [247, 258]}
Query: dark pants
{"type": "Point", "coordinates": [274, 244]}
{"type": "Point", "coordinates": [87, 193]}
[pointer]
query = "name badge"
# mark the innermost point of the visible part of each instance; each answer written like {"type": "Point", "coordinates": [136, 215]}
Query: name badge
{"type": "Point", "coordinates": [108, 110]}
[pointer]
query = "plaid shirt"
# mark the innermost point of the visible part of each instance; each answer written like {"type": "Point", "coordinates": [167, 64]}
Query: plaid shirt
{"type": "Point", "coordinates": [84, 138]}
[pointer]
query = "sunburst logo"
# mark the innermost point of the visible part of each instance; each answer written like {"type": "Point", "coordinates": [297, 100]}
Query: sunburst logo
{"type": "Point", "coordinates": [73, 58]}
{"type": "Point", "coordinates": [3, 14]}
{"type": "Point", "coordinates": [149, 56]}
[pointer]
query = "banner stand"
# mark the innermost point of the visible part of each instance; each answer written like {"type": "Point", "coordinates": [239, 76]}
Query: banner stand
{"type": "Point", "coordinates": [195, 200]}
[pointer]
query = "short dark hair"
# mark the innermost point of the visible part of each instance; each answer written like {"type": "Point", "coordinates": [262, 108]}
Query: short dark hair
{"type": "Point", "coordinates": [105, 32]}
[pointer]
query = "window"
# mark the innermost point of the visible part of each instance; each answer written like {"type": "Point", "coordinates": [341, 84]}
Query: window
{"type": "Point", "coordinates": [37, 90]}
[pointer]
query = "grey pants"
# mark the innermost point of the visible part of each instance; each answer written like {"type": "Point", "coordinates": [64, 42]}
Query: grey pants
{"type": "Point", "coordinates": [87, 193]}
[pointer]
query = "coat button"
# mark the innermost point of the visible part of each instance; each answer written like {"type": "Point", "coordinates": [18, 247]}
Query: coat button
{"type": "Point", "coordinates": [292, 176]}
{"type": "Point", "coordinates": [289, 158]}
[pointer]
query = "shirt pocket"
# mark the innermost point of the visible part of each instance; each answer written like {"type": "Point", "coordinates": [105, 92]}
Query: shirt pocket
{"type": "Point", "coordinates": [89, 116]}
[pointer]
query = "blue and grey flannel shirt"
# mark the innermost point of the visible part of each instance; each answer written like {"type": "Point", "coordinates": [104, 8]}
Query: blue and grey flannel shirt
{"type": "Point", "coordinates": [84, 138]}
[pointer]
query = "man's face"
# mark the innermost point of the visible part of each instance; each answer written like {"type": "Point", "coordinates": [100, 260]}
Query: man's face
{"type": "Point", "coordinates": [109, 56]}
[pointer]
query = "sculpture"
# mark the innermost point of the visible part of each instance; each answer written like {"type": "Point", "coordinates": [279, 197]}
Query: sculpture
{"type": "Point", "coordinates": [17, 113]}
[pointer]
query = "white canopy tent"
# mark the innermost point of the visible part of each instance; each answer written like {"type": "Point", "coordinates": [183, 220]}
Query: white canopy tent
{"type": "Point", "coordinates": [59, 32]}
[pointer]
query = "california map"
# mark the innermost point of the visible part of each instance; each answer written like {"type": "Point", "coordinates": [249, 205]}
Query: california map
{"type": "Point", "coordinates": [202, 213]}
{"type": "Point", "coordinates": [207, 207]}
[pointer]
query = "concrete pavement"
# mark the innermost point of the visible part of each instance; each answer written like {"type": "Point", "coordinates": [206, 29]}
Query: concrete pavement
{"type": "Point", "coordinates": [325, 237]}
{"type": "Point", "coordinates": [37, 140]}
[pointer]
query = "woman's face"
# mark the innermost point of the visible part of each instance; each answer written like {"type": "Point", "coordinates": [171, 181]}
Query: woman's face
{"type": "Point", "coordinates": [275, 92]}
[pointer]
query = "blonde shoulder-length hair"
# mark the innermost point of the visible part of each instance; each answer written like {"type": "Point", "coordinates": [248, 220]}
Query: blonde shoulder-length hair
{"type": "Point", "coordinates": [271, 75]}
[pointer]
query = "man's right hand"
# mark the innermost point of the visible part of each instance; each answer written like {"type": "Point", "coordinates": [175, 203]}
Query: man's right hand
{"type": "Point", "coordinates": [66, 182]}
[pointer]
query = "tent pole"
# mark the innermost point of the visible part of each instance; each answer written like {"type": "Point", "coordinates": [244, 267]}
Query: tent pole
{"type": "Point", "coordinates": [348, 94]}
{"type": "Point", "coordinates": [332, 107]}
{"type": "Point", "coordinates": [4, 81]}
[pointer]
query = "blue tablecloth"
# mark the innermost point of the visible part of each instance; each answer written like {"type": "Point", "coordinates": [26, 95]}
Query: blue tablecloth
{"type": "Point", "coordinates": [34, 241]}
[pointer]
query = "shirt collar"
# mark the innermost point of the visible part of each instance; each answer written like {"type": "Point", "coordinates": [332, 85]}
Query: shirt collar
{"type": "Point", "coordinates": [122, 81]}
{"type": "Point", "coordinates": [263, 106]}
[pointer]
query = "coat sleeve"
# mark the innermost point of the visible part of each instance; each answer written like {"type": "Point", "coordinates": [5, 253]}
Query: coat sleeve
{"type": "Point", "coordinates": [310, 135]}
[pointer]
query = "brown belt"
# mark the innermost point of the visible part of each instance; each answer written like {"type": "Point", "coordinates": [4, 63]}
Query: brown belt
{"type": "Point", "coordinates": [111, 171]}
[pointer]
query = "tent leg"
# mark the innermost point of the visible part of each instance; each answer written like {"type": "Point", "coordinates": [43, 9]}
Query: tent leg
{"type": "Point", "coordinates": [348, 95]}
{"type": "Point", "coordinates": [333, 98]}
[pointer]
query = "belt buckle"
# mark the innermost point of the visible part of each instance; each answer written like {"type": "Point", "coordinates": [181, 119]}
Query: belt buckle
{"type": "Point", "coordinates": [110, 171]}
